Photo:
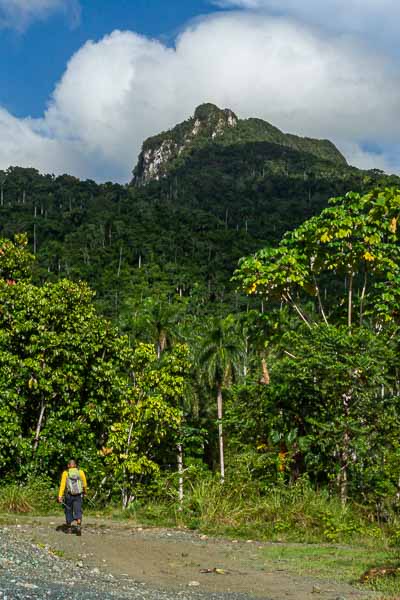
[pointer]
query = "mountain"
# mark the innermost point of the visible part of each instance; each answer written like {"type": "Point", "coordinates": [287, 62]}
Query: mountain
{"type": "Point", "coordinates": [177, 232]}
{"type": "Point", "coordinates": [210, 124]}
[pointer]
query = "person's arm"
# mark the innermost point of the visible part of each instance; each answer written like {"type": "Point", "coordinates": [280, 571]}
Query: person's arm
{"type": "Point", "coordinates": [62, 486]}
{"type": "Point", "coordinates": [84, 481]}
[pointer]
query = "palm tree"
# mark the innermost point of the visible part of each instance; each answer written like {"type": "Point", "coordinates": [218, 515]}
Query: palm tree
{"type": "Point", "coordinates": [158, 323]}
{"type": "Point", "coordinates": [220, 356]}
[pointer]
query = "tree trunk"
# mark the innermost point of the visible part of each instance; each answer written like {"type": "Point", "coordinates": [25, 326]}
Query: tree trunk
{"type": "Point", "coordinates": [350, 301]}
{"type": "Point", "coordinates": [246, 353]}
{"type": "Point", "coordinates": [265, 379]}
{"type": "Point", "coordinates": [126, 496]}
{"type": "Point", "coordinates": [344, 453]}
{"type": "Point", "coordinates": [220, 433]}
{"type": "Point", "coordinates": [321, 307]}
{"type": "Point", "coordinates": [180, 471]}
{"type": "Point", "coordinates": [119, 262]}
{"type": "Point", "coordinates": [364, 289]}
{"type": "Point", "coordinates": [342, 478]}
{"type": "Point", "coordinates": [39, 426]}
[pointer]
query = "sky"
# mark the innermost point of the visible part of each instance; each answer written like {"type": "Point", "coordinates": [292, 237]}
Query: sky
{"type": "Point", "coordinates": [84, 82]}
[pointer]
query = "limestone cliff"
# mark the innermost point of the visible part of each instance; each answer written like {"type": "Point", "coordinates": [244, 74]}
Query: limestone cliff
{"type": "Point", "coordinates": [211, 124]}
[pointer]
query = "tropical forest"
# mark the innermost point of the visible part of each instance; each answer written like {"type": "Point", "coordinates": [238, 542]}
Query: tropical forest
{"type": "Point", "coordinates": [214, 342]}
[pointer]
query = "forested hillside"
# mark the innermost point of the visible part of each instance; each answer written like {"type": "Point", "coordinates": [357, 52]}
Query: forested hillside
{"type": "Point", "coordinates": [281, 367]}
{"type": "Point", "coordinates": [179, 236]}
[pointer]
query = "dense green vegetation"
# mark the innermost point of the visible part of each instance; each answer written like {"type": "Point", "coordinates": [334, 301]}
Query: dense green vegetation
{"type": "Point", "coordinates": [131, 339]}
{"type": "Point", "coordinates": [178, 239]}
{"type": "Point", "coordinates": [225, 129]}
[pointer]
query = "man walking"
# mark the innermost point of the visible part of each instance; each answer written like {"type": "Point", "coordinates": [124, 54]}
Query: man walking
{"type": "Point", "coordinates": [72, 489]}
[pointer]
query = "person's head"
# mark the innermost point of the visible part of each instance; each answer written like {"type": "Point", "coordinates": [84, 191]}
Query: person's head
{"type": "Point", "coordinates": [71, 464]}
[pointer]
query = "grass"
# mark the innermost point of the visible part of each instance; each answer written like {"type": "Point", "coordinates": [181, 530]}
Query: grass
{"type": "Point", "coordinates": [314, 534]}
{"type": "Point", "coordinates": [33, 497]}
{"type": "Point", "coordinates": [14, 499]}
{"type": "Point", "coordinates": [337, 563]}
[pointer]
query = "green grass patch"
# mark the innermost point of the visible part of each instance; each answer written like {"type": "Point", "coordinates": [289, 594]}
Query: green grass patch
{"type": "Point", "coordinates": [34, 497]}
{"type": "Point", "coordinates": [345, 564]}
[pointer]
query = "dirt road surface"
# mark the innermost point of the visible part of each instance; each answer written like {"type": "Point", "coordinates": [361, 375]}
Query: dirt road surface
{"type": "Point", "coordinates": [115, 560]}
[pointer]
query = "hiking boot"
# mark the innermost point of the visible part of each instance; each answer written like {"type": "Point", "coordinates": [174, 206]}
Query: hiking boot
{"type": "Point", "coordinates": [68, 529]}
{"type": "Point", "coordinates": [78, 530]}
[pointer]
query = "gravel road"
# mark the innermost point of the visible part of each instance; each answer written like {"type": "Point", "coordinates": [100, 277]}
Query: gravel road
{"type": "Point", "coordinates": [31, 571]}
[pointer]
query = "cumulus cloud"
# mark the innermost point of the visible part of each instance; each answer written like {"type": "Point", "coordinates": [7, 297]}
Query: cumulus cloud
{"type": "Point", "coordinates": [362, 16]}
{"type": "Point", "coordinates": [125, 87]}
{"type": "Point", "coordinates": [19, 14]}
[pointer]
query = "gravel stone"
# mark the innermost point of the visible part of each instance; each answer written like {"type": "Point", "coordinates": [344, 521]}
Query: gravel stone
{"type": "Point", "coordinates": [32, 572]}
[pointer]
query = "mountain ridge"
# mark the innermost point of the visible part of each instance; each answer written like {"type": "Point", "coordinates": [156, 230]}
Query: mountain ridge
{"type": "Point", "coordinates": [212, 125]}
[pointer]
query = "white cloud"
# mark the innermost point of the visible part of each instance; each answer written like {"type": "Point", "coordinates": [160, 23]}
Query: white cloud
{"type": "Point", "coordinates": [340, 15]}
{"type": "Point", "coordinates": [125, 87]}
{"type": "Point", "coordinates": [19, 14]}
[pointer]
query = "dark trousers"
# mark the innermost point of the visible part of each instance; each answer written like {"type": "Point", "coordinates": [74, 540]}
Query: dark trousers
{"type": "Point", "coordinates": [73, 508]}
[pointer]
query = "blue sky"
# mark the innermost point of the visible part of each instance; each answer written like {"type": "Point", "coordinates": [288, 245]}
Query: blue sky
{"type": "Point", "coordinates": [33, 59]}
{"type": "Point", "coordinates": [84, 82]}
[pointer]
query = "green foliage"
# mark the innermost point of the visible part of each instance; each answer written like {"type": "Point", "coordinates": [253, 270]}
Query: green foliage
{"type": "Point", "coordinates": [15, 499]}
{"type": "Point", "coordinates": [336, 383]}
{"type": "Point", "coordinates": [15, 260]}
{"type": "Point", "coordinates": [178, 238]}
{"type": "Point", "coordinates": [355, 237]}
{"type": "Point", "coordinates": [310, 383]}
{"type": "Point", "coordinates": [71, 385]}
{"type": "Point", "coordinates": [35, 495]}
{"type": "Point", "coordinates": [144, 420]}
{"type": "Point", "coordinates": [242, 509]}
{"type": "Point", "coordinates": [211, 125]}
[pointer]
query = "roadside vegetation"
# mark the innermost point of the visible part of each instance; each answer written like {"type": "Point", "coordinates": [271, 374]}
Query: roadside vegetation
{"type": "Point", "coordinates": [305, 532]}
{"type": "Point", "coordinates": [280, 422]}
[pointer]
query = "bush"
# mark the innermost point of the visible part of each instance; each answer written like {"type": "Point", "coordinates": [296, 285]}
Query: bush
{"type": "Point", "coordinates": [36, 495]}
{"type": "Point", "coordinates": [282, 512]}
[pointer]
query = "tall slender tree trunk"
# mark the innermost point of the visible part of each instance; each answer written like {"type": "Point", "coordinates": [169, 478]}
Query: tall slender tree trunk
{"type": "Point", "coordinates": [321, 306]}
{"type": "Point", "coordinates": [180, 471]}
{"type": "Point", "coordinates": [343, 476]}
{"type": "Point", "coordinates": [220, 433]}
{"type": "Point", "coordinates": [119, 262]}
{"type": "Point", "coordinates": [246, 353]}
{"type": "Point", "coordinates": [344, 454]}
{"type": "Point", "coordinates": [350, 301]}
{"type": "Point", "coordinates": [39, 425]}
{"type": "Point", "coordinates": [364, 289]}
{"type": "Point", "coordinates": [126, 496]}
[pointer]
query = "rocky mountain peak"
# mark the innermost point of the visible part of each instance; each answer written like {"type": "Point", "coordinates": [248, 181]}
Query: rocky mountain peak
{"type": "Point", "coordinates": [211, 124]}
{"type": "Point", "coordinates": [210, 115]}
{"type": "Point", "coordinates": [207, 123]}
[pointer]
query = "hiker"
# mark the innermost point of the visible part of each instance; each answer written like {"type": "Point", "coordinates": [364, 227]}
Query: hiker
{"type": "Point", "coordinates": [72, 490]}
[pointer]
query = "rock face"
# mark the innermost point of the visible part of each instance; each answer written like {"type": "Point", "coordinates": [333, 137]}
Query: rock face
{"type": "Point", "coordinates": [158, 152]}
{"type": "Point", "coordinates": [211, 124]}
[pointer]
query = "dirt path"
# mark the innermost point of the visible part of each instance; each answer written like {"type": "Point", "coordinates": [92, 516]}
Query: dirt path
{"type": "Point", "coordinates": [174, 560]}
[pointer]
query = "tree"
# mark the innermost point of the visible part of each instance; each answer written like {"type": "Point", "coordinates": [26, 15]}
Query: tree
{"type": "Point", "coordinates": [71, 386]}
{"type": "Point", "coordinates": [150, 414]}
{"type": "Point", "coordinates": [356, 238]}
{"type": "Point", "coordinates": [157, 321]}
{"type": "Point", "coordinates": [332, 393]}
{"type": "Point", "coordinates": [220, 356]}
{"type": "Point", "coordinates": [344, 261]}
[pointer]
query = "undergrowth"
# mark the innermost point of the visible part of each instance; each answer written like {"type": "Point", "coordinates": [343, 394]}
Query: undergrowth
{"type": "Point", "coordinates": [310, 527]}
{"type": "Point", "coordinates": [296, 513]}
{"type": "Point", "coordinates": [34, 496]}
